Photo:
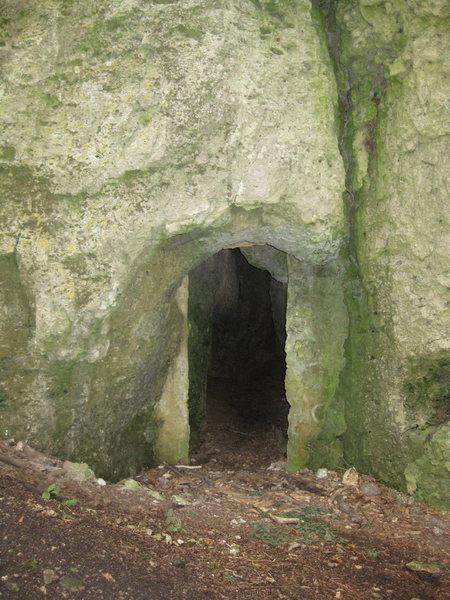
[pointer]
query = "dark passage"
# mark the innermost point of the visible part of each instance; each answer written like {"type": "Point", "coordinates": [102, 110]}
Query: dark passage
{"type": "Point", "coordinates": [245, 384]}
{"type": "Point", "coordinates": [247, 356]}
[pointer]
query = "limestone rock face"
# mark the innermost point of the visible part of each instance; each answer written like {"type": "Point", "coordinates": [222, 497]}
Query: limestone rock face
{"type": "Point", "coordinates": [398, 85]}
{"type": "Point", "coordinates": [139, 138]}
{"type": "Point", "coordinates": [148, 118]}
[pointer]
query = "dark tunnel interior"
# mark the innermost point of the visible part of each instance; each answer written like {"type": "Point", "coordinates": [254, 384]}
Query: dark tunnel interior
{"type": "Point", "coordinates": [247, 357]}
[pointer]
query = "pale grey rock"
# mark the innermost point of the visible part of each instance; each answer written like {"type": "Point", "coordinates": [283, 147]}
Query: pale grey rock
{"type": "Point", "coordinates": [132, 484]}
{"type": "Point", "coordinates": [49, 576]}
{"type": "Point", "coordinates": [369, 489]}
{"type": "Point", "coordinates": [322, 473]}
{"type": "Point", "coordinates": [78, 471]}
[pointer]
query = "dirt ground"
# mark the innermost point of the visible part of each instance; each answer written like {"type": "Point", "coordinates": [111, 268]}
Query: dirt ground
{"type": "Point", "coordinates": [237, 525]}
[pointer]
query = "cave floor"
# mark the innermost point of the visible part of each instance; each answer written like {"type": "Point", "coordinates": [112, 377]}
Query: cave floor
{"type": "Point", "coordinates": [234, 525]}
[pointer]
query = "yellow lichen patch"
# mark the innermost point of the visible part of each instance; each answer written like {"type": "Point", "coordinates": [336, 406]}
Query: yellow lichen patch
{"type": "Point", "coordinates": [71, 248]}
{"type": "Point", "coordinates": [43, 243]}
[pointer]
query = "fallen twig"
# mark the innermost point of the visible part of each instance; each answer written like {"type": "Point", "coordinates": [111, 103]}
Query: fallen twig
{"type": "Point", "coordinates": [9, 460]}
{"type": "Point", "coordinates": [243, 433]}
{"type": "Point", "coordinates": [282, 520]}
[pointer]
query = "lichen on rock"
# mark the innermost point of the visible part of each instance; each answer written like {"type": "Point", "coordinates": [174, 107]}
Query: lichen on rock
{"type": "Point", "coordinates": [139, 143]}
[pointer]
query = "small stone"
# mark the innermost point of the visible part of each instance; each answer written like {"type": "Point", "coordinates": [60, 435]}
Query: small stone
{"type": "Point", "coordinates": [370, 489]}
{"type": "Point", "coordinates": [179, 500]}
{"type": "Point", "coordinates": [322, 473]}
{"type": "Point", "coordinates": [101, 482]}
{"type": "Point", "coordinates": [154, 494]}
{"type": "Point", "coordinates": [78, 471]}
{"type": "Point", "coordinates": [279, 465]}
{"type": "Point", "coordinates": [71, 583]}
{"type": "Point", "coordinates": [432, 568]}
{"type": "Point", "coordinates": [49, 576]}
{"type": "Point", "coordinates": [350, 477]}
{"type": "Point", "coordinates": [178, 562]}
{"type": "Point", "coordinates": [132, 484]}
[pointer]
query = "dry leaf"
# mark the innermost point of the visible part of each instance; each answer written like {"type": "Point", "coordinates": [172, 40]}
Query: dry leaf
{"type": "Point", "coordinates": [108, 577]}
{"type": "Point", "coordinates": [350, 477]}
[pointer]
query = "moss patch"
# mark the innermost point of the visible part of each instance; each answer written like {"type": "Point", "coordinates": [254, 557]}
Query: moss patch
{"type": "Point", "coordinates": [7, 153]}
{"type": "Point", "coordinates": [427, 476]}
{"type": "Point", "coordinates": [427, 391]}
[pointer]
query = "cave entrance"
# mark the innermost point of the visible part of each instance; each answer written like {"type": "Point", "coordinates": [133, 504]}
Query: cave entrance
{"type": "Point", "coordinates": [237, 315]}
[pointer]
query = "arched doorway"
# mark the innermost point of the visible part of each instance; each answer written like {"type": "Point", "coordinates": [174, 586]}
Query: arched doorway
{"type": "Point", "coordinates": [237, 316]}
{"type": "Point", "coordinates": [315, 326]}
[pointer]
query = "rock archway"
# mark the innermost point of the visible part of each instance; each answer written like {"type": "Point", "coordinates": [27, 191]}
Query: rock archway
{"type": "Point", "coordinates": [143, 141]}
{"type": "Point", "coordinates": [309, 329]}
{"type": "Point", "coordinates": [159, 137]}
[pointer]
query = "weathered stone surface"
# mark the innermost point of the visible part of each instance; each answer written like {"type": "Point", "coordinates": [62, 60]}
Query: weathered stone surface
{"type": "Point", "coordinates": [132, 484]}
{"type": "Point", "coordinates": [134, 146]}
{"type": "Point", "coordinates": [171, 412]}
{"type": "Point", "coordinates": [394, 73]}
{"type": "Point", "coordinates": [316, 327]}
{"type": "Point", "coordinates": [204, 282]}
{"type": "Point", "coordinates": [268, 258]}
{"type": "Point", "coordinates": [140, 138]}
{"type": "Point", "coordinates": [425, 475]}
{"type": "Point", "coordinates": [78, 471]}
